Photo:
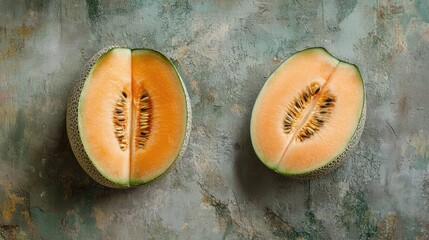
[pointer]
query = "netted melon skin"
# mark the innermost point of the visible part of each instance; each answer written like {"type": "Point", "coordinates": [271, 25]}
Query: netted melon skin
{"type": "Point", "coordinates": [73, 124]}
{"type": "Point", "coordinates": [340, 159]}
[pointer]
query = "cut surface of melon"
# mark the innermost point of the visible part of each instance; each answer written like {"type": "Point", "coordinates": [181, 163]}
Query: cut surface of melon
{"type": "Point", "coordinates": [155, 75]}
{"type": "Point", "coordinates": [307, 113]}
{"type": "Point", "coordinates": [133, 117]}
{"type": "Point", "coordinates": [110, 75]}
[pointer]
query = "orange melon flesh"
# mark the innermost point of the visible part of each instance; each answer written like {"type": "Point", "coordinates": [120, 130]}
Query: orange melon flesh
{"type": "Point", "coordinates": [284, 153]}
{"type": "Point", "coordinates": [155, 74]}
{"type": "Point", "coordinates": [345, 83]}
{"type": "Point", "coordinates": [107, 79]}
{"type": "Point", "coordinates": [296, 73]}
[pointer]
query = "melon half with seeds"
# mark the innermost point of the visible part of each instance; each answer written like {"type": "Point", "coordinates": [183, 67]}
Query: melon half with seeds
{"type": "Point", "coordinates": [309, 115]}
{"type": "Point", "coordinates": [128, 117]}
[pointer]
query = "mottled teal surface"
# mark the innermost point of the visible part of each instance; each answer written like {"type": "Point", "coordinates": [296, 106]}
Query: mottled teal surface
{"type": "Point", "coordinates": [220, 190]}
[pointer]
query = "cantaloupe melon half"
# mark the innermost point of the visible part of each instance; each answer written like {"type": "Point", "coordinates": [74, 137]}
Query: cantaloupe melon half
{"type": "Point", "coordinates": [128, 117]}
{"type": "Point", "coordinates": [309, 114]}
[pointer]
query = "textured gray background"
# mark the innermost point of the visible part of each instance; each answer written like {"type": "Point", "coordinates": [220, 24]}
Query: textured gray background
{"type": "Point", "coordinates": [220, 190]}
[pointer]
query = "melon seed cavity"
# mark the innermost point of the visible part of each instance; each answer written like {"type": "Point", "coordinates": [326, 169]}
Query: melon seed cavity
{"type": "Point", "coordinates": [321, 113]}
{"type": "Point", "coordinates": [120, 121]}
{"type": "Point", "coordinates": [144, 119]}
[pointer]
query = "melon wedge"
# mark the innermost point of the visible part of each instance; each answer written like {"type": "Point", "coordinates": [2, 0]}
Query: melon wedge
{"type": "Point", "coordinates": [309, 115]}
{"type": "Point", "coordinates": [128, 116]}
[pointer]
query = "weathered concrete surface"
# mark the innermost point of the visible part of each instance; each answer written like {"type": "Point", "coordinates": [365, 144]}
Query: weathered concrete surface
{"type": "Point", "coordinates": [226, 50]}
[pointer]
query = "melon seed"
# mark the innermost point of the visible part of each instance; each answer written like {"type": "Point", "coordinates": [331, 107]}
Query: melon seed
{"type": "Point", "coordinates": [119, 120]}
{"type": "Point", "coordinates": [329, 99]}
{"type": "Point", "coordinates": [314, 88]}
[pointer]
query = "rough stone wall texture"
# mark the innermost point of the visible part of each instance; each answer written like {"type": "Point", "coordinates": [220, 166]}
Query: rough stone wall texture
{"type": "Point", "coordinates": [225, 50]}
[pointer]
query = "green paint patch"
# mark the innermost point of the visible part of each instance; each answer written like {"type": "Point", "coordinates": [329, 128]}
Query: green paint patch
{"type": "Point", "coordinates": [422, 7]}
{"type": "Point", "coordinates": [72, 224]}
{"type": "Point", "coordinates": [93, 10]}
{"type": "Point", "coordinates": [345, 8]}
{"type": "Point", "coordinates": [315, 228]}
{"type": "Point", "coordinates": [421, 163]}
{"type": "Point", "coordinates": [357, 217]}
{"type": "Point", "coordinates": [16, 137]}
{"type": "Point", "coordinates": [47, 224]}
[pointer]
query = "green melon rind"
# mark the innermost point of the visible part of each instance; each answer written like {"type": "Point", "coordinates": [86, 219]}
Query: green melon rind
{"type": "Point", "coordinates": [72, 123]}
{"type": "Point", "coordinates": [273, 166]}
{"type": "Point", "coordinates": [337, 161]}
{"type": "Point", "coordinates": [188, 124]}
